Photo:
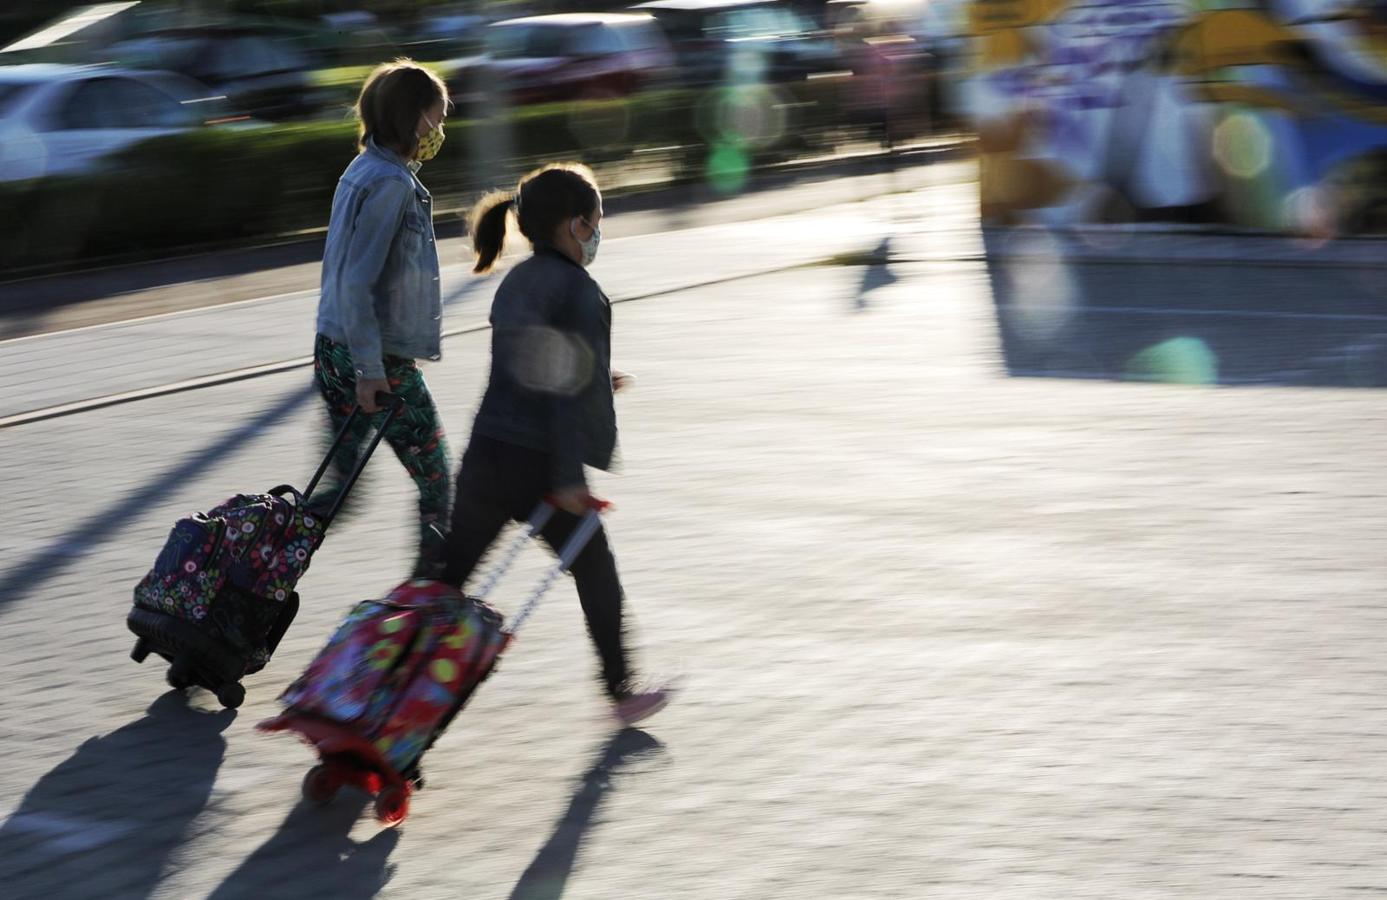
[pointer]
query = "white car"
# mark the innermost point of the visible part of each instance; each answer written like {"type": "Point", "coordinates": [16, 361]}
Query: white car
{"type": "Point", "coordinates": [59, 119]}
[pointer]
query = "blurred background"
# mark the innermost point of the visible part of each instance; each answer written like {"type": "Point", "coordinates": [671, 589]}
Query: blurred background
{"type": "Point", "coordinates": [1265, 115]}
{"type": "Point", "coordinates": [245, 104]}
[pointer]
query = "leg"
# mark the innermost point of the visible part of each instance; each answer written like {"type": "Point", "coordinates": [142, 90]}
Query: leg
{"type": "Point", "coordinates": [336, 381]}
{"type": "Point", "coordinates": [417, 439]}
{"type": "Point", "coordinates": [480, 511]}
{"type": "Point", "coordinates": [599, 592]}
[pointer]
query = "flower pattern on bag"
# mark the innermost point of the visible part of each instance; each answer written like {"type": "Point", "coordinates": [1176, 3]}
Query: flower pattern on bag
{"type": "Point", "coordinates": [233, 568]}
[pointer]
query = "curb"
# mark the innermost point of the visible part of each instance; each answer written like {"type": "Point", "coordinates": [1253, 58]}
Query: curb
{"type": "Point", "coordinates": [287, 365]}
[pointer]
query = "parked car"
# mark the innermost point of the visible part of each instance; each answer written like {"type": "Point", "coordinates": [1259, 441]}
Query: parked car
{"type": "Point", "coordinates": [445, 33]}
{"type": "Point", "coordinates": [59, 119]}
{"type": "Point", "coordinates": [262, 72]}
{"type": "Point", "coordinates": [742, 40]}
{"type": "Point", "coordinates": [577, 55]}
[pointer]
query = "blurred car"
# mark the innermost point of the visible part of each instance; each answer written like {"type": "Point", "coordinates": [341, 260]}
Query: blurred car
{"type": "Point", "coordinates": [262, 72]}
{"type": "Point", "coordinates": [743, 40]}
{"type": "Point", "coordinates": [60, 119]}
{"type": "Point", "coordinates": [577, 55]}
{"type": "Point", "coordinates": [904, 54]}
{"type": "Point", "coordinates": [445, 33]}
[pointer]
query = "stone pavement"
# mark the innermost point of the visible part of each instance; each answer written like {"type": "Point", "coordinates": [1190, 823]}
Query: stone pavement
{"type": "Point", "coordinates": [944, 633]}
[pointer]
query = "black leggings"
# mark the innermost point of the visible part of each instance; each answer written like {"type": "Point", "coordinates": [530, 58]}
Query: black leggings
{"type": "Point", "coordinates": [500, 482]}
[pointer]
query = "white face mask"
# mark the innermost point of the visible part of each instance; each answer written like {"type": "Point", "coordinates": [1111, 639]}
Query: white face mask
{"type": "Point", "coordinates": [588, 246]}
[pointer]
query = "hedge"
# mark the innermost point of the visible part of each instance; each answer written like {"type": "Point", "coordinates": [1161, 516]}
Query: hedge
{"type": "Point", "coordinates": [226, 185]}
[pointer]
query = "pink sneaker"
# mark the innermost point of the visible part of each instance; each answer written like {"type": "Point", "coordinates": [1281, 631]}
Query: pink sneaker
{"type": "Point", "coordinates": [641, 704]}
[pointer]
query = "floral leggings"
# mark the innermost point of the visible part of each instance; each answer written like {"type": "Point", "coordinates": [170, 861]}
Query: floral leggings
{"type": "Point", "coordinates": [415, 435]}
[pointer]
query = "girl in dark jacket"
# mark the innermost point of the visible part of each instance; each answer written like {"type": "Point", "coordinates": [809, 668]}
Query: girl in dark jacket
{"type": "Point", "coordinates": [548, 409]}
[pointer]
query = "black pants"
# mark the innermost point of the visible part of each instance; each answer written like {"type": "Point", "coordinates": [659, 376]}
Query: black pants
{"type": "Point", "coordinates": [499, 482]}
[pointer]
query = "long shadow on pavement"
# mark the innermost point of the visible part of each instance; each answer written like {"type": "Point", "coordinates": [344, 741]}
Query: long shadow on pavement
{"type": "Point", "coordinates": [104, 822]}
{"type": "Point", "coordinates": [1067, 310]}
{"type": "Point", "coordinates": [29, 575]}
{"type": "Point", "coordinates": [546, 877]}
{"type": "Point", "coordinates": [313, 855]}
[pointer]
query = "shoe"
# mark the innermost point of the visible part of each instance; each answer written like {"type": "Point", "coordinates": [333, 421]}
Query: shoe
{"type": "Point", "coordinates": [634, 706]}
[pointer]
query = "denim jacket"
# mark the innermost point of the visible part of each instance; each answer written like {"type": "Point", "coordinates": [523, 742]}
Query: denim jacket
{"type": "Point", "coordinates": [551, 379]}
{"type": "Point", "coordinates": [380, 287]}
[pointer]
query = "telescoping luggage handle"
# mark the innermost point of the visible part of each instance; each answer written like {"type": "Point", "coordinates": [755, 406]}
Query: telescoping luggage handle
{"type": "Point", "coordinates": [393, 405]}
{"type": "Point", "coordinates": [591, 521]}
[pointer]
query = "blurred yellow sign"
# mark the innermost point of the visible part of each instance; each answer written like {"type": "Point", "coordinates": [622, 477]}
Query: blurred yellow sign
{"type": "Point", "coordinates": [991, 16]}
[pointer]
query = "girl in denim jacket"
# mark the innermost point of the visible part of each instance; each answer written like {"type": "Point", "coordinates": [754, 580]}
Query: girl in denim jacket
{"type": "Point", "coordinates": [381, 307]}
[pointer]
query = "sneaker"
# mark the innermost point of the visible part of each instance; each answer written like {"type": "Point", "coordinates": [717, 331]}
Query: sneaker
{"type": "Point", "coordinates": [634, 706]}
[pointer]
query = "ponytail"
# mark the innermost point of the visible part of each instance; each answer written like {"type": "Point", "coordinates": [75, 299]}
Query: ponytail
{"type": "Point", "coordinates": [488, 228]}
{"type": "Point", "coordinates": [553, 194]}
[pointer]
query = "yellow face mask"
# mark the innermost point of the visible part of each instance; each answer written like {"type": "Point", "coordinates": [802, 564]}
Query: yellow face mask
{"type": "Point", "coordinates": [430, 143]}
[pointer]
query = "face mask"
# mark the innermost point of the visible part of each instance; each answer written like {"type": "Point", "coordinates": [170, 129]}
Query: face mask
{"type": "Point", "coordinates": [430, 143]}
{"type": "Point", "coordinates": [589, 246]}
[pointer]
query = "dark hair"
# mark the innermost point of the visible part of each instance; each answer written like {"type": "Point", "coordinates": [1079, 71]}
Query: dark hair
{"type": "Point", "coordinates": [393, 98]}
{"type": "Point", "coordinates": [543, 201]}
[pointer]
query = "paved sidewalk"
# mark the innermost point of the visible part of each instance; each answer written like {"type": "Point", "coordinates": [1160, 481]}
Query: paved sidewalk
{"type": "Point", "coordinates": [101, 361]}
{"type": "Point", "coordinates": [945, 633]}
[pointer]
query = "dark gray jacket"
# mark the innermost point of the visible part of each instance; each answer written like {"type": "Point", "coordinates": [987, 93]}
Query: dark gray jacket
{"type": "Point", "coordinates": [551, 376]}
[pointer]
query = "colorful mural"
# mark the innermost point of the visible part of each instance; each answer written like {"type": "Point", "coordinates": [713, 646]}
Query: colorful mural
{"type": "Point", "coordinates": [1268, 115]}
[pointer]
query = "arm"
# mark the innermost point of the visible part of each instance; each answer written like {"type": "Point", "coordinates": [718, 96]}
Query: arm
{"type": "Point", "coordinates": [377, 221]}
{"type": "Point", "coordinates": [579, 324]}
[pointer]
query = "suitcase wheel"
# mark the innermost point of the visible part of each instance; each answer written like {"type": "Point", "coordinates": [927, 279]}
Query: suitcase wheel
{"type": "Point", "coordinates": [140, 651]}
{"type": "Point", "coordinates": [179, 676]}
{"type": "Point", "coordinates": [319, 787]}
{"type": "Point", "coordinates": [392, 805]}
{"type": "Point", "coordinates": [231, 695]}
